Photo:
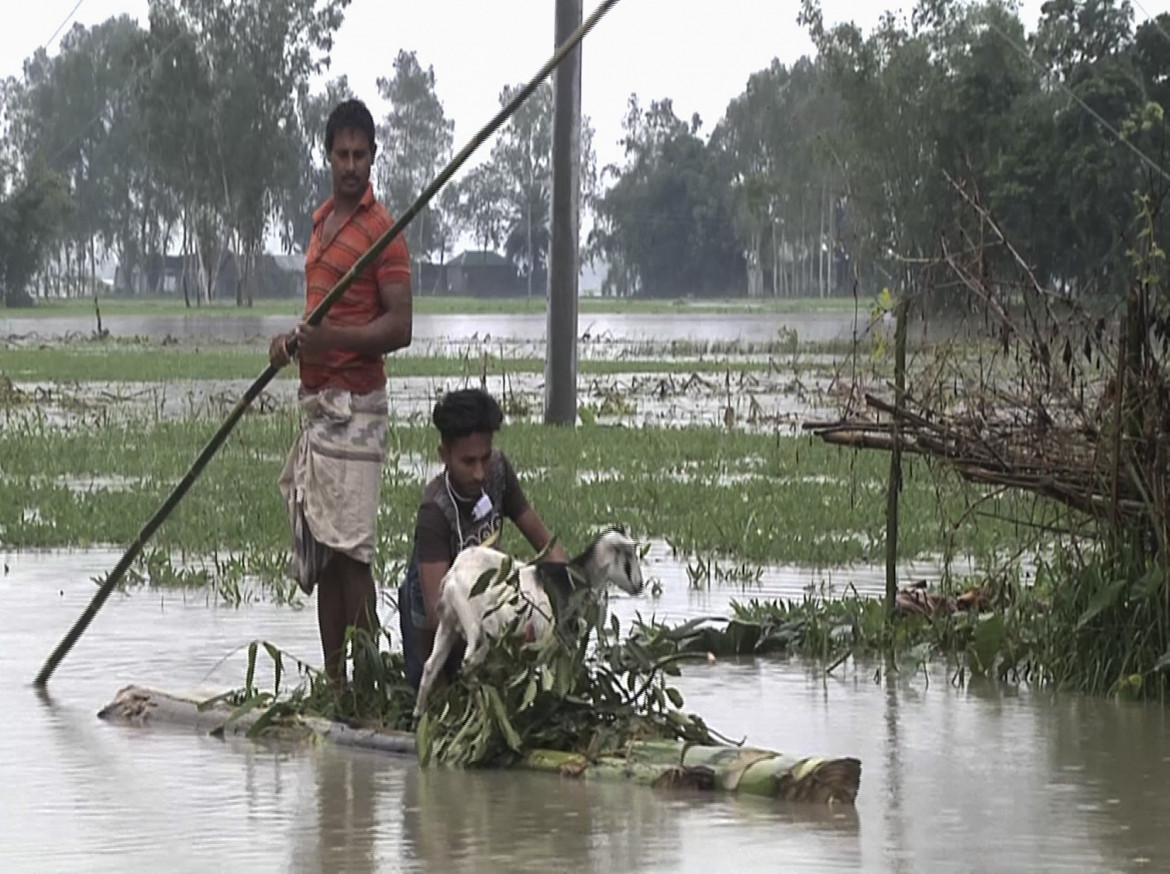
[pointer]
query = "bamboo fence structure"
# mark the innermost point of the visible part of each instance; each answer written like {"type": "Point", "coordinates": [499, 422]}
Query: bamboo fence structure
{"type": "Point", "coordinates": [1065, 398]}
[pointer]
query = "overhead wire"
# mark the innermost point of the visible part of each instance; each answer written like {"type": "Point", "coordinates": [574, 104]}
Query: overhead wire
{"type": "Point", "coordinates": [64, 21]}
{"type": "Point", "coordinates": [125, 87]}
{"type": "Point", "coordinates": [1152, 20]}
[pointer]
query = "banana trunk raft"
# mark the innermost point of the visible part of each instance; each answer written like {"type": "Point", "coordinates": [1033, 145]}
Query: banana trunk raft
{"type": "Point", "coordinates": [661, 764]}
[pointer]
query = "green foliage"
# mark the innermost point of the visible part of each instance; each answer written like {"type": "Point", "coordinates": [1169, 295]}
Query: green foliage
{"type": "Point", "coordinates": [555, 694]}
{"type": "Point", "coordinates": [1093, 627]}
{"type": "Point", "coordinates": [558, 695]}
{"type": "Point", "coordinates": [667, 222]}
{"type": "Point", "coordinates": [147, 362]}
{"type": "Point", "coordinates": [745, 482]}
{"type": "Point", "coordinates": [251, 57]}
{"type": "Point", "coordinates": [31, 218]}
{"type": "Point", "coordinates": [959, 94]}
{"type": "Point", "coordinates": [377, 695]}
{"type": "Point", "coordinates": [71, 114]}
{"type": "Point", "coordinates": [416, 144]}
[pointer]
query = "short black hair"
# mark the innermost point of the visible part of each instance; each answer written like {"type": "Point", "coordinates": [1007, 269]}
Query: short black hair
{"type": "Point", "coordinates": [465, 412]}
{"type": "Point", "coordinates": [350, 115]}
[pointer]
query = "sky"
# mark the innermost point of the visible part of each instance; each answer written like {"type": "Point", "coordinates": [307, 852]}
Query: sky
{"type": "Point", "coordinates": [679, 49]}
{"type": "Point", "coordinates": [700, 54]}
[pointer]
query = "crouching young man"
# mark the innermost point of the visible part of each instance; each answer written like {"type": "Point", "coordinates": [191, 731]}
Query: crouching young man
{"type": "Point", "coordinates": [465, 505]}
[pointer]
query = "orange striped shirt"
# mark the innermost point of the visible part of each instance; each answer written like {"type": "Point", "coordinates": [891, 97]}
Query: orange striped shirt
{"type": "Point", "coordinates": [325, 264]}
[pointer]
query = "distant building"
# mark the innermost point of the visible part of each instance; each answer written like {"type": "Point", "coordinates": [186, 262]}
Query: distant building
{"type": "Point", "coordinates": [481, 273]}
{"type": "Point", "coordinates": [274, 276]}
{"type": "Point", "coordinates": [280, 276]}
{"type": "Point", "coordinates": [159, 274]}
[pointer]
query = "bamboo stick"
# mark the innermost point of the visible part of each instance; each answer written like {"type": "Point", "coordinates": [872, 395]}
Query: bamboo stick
{"type": "Point", "coordinates": [895, 483]}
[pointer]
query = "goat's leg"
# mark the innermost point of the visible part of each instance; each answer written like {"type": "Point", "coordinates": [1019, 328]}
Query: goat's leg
{"type": "Point", "coordinates": [601, 599]}
{"type": "Point", "coordinates": [471, 624]}
{"type": "Point", "coordinates": [444, 643]}
{"type": "Point", "coordinates": [475, 651]}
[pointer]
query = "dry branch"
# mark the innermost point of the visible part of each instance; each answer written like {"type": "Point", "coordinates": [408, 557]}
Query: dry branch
{"type": "Point", "coordinates": [1052, 397]}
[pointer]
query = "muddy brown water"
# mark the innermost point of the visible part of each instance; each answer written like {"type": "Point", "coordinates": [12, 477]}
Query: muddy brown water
{"type": "Point", "coordinates": [979, 778]}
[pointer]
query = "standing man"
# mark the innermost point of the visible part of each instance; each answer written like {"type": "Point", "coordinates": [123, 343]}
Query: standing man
{"type": "Point", "coordinates": [331, 479]}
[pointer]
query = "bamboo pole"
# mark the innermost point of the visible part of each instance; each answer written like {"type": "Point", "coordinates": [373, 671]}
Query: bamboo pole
{"type": "Point", "coordinates": [660, 764]}
{"type": "Point", "coordinates": [314, 318]}
{"type": "Point", "coordinates": [895, 483]}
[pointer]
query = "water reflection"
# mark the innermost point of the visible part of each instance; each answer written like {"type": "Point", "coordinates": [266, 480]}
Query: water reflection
{"type": "Point", "coordinates": [340, 815]}
{"type": "Point", "coordinates": [495, 821]}
{"type": "Point", "coordinates": [892, 749]}
{"type": "Point", "coordinates": [1120, 753]}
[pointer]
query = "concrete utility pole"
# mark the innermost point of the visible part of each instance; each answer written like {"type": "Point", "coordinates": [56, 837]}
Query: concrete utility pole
{"type": "Point", "coordinates": [560, 357]}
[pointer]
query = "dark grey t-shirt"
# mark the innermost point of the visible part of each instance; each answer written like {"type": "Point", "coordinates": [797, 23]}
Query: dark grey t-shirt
{"type": "Point", "coordinates": [436, 531]}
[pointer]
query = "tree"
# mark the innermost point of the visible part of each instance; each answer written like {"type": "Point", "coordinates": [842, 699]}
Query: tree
{"type": "Point", "coordinates": [314, 182]}
{"type": "Point", "coordinates": [1151, 58]}
{"type": "Point", "coordinates": [665, 226]}
{"type": "Point", "coordinates": [522, 162]}
{"type": "Point", "coordinates": [1147, 128]}
{"type": "Point", "coordinates": [886, 143]}
{"type": "Point", "coordinates": [448, 216]}
{"type": "Point", "coordinates": [1074, 35]}
{"type": "Point", "coordinates": [781, 140]}
{"type": "Point", "coordinates": [480, 206]}
{"type": "Point", "coordinates": [10, 99]}
{"type": "Point", "coordinates": [249, 58]}
{"type": "Point", "coordinates": [33, 218]}
{"type": "Point", "coordinates": [416, 139]}
{"type": "Point", "coordinates": [952, 97]}
{"type": "Point", "coordinates": [1086, 47]}
{"type": "Point", "coordinates": [74, 112]}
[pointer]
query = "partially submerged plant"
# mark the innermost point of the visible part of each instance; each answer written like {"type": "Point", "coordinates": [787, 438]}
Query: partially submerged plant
{"type": "Point", "coordinates": [377, 697]}
{"type": "Point", "coordinates": [558, 693]}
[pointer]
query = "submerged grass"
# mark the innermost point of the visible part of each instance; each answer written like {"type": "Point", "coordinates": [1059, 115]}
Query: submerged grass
{"type": "Point", "coordinates": [141, 362]}
{"type": "Point", "coordinates": [748, 496]}
{"type": "Point", "coordinates": [429, 305]}
{"type": "Point", "coordinates": [1084, 625]}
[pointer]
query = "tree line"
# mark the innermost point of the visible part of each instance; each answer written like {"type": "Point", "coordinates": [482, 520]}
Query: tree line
{"type": "Point", "coordinates": [198, 134]}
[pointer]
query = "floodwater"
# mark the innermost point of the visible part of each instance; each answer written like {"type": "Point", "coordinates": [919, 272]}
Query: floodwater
{"type": "Point", "coordinates": [980, 778]}
{"type": "Point", "coordinates": [975, 779]}
{"type": "Point", "coordinates": [638, 399]}
{"type": "Point", "coordinates": [687, 325]}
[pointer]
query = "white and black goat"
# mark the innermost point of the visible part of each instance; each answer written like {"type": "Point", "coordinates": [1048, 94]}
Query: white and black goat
{"type": "Point", "coordinates": [611, 559]}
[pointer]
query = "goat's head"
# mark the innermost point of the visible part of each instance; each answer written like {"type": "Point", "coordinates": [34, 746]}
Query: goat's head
{"type": "Point", "coordinates": [612, 559]}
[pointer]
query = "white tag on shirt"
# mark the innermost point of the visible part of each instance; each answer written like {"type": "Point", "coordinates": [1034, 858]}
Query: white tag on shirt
{"type": "Point", "coordinates": [482, 507]}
